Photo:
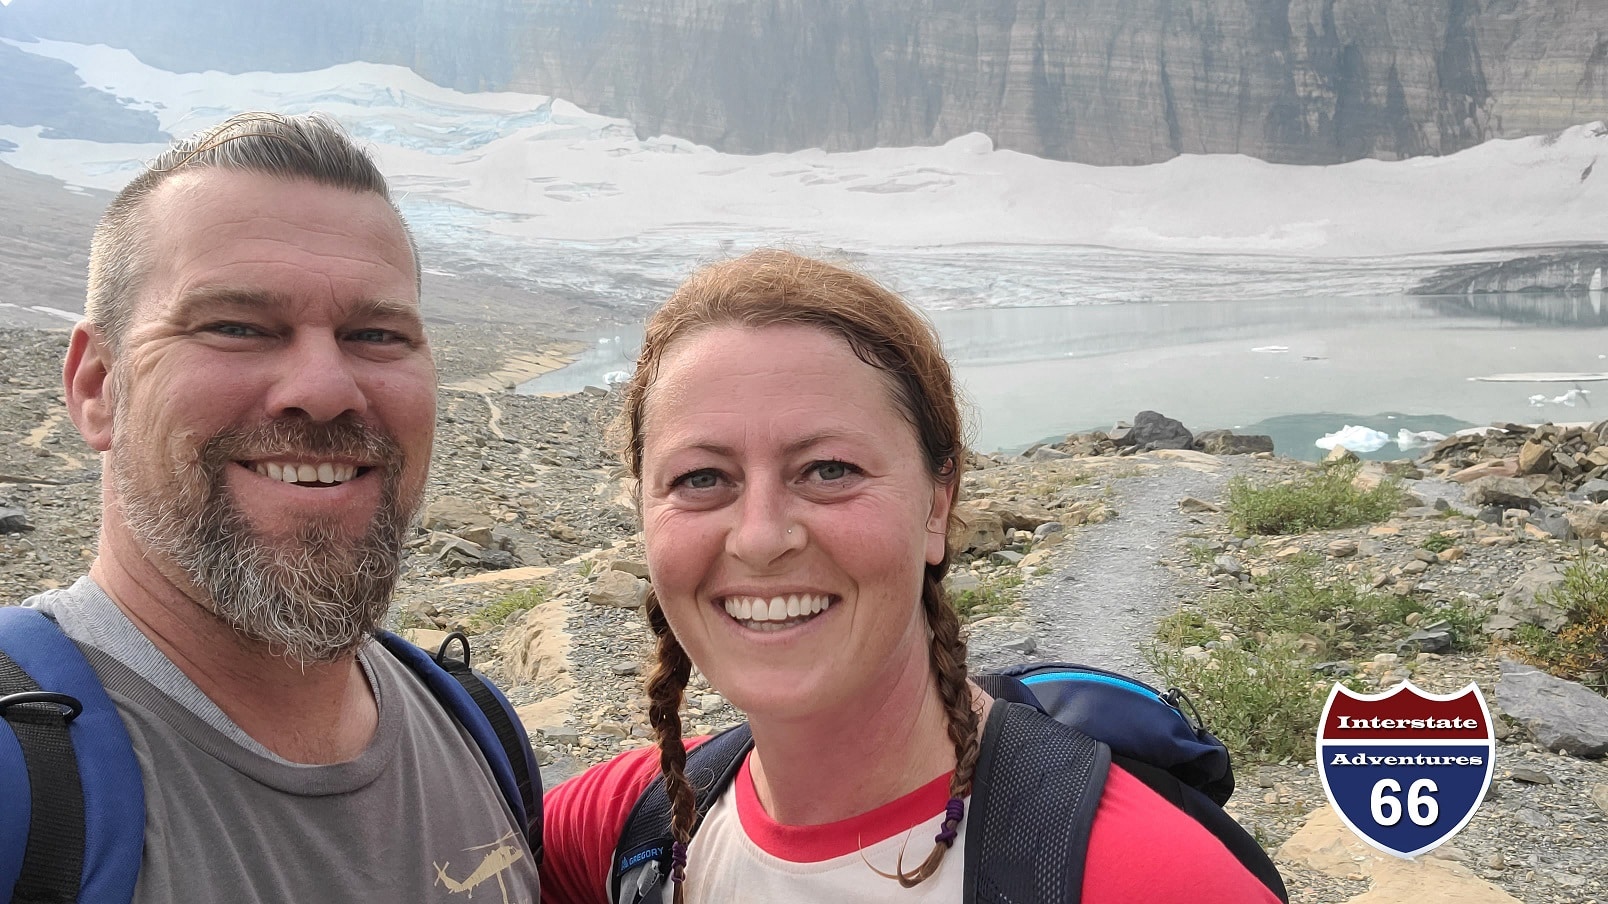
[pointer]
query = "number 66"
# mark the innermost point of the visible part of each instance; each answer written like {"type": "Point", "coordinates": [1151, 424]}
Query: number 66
{"type": "Point", "coordinates": [1421, 807]}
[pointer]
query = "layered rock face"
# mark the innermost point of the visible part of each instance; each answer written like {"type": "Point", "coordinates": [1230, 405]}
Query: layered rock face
{"type": "Point", "coordinates": [1097, 81]}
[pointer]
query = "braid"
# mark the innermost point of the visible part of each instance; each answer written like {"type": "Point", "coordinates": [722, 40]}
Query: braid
{"type": "Point", "coordinates": [948, 656]}
{"type": "Point", "coordinates": [665, 686]}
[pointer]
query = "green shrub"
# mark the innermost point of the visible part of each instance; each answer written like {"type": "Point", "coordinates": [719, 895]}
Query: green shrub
{"type": "Point", "coordinates": [1263, 704]}
{"type": "Point", "coordinates": [1438, 542]}
{"type": "Point", "coordinates": [1579, 651]}
{"type": "Point", "coordinates": [1322, 500]}
{"type": "Point", "coordinates": [496, 612]}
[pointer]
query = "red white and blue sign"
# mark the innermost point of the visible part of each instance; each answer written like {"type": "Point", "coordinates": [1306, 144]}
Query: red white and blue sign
{"type": "Point", "coordinates": [1406, 769]}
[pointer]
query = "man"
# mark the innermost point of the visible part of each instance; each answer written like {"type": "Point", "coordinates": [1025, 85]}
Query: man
{"type": "Point", "coordinates": [253, 366]}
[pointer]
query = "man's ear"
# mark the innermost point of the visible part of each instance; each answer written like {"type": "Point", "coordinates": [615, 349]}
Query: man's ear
{"type": "Point", "coordinates": [86, 376]}
{"type": "Point", "coordinates": [943, 499]}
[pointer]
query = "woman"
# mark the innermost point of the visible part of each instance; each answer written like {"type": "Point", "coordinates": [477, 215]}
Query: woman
{"type": "Point", "coordinates": [796, 436]}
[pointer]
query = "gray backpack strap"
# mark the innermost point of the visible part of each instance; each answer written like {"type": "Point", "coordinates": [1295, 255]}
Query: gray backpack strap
{"type": "Point", "coordinates": [1037, 787]}
{"type": "Point", "coordinates": [642, 858]}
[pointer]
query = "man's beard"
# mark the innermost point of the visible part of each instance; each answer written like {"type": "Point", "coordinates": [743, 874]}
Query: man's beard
{"type": "Point", "coordinates": [313, 598]}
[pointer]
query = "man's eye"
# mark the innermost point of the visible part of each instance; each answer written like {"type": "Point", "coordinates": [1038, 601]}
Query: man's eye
{"type": "Point", "coordinates": [237, 330]}
{"type": "Point", "coordinates": [374, 335]}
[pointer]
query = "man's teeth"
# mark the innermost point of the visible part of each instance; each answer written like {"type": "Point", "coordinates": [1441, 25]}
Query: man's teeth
{"type": "Point", "coordinates": [776, 609]}
{"type": "Point", "coordinates": [305, 472]}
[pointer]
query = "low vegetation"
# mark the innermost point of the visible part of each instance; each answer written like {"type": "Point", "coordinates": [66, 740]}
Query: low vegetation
{"type": "Point", "coordinates": [1325, 499]}
{"type": "Point", "coordinates": [996, 592]}
{"type": "Point", "coordinates": [497, 612]}
{"type": "Point", "coordinates": [1579, 651]}
{"type": "Point", "coordinates": [1259, 682]}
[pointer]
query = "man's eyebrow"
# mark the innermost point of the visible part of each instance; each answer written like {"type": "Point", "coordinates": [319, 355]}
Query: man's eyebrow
{"type": "Point", "coordinates": [368, 308]}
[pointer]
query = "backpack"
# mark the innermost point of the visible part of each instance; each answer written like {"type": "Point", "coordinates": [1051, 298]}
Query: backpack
{"type": "Point", "coordinates": [72, 804]}
{"type": "Point", "coordinates": [1051, 736]}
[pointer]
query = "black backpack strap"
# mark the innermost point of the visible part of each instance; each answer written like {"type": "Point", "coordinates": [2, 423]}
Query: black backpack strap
{"type": "Point", "coordinates": [1037, 787]}
{"type": "Point", "coordinates": [54, 857]}
{"type": "Point", "coordinates": [642, 857]}
{"type": "Point", "coordinates": [500, 735]}
{"type": "Point", "coordinates": [1206, 812]}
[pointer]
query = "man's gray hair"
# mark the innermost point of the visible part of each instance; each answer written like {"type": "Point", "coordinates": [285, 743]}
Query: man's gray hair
{"type": "Point", "coordinates": [312, 147]}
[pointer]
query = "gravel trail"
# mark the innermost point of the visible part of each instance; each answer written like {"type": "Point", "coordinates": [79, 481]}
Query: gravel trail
{"type": "Point", "coordinates": [1108, 589]}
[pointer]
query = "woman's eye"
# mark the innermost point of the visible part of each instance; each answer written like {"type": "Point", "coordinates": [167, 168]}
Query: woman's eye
{"type": "Point", "coordinates": [833, 470]}
{"type": "Point", "coordinates": [698, 480]}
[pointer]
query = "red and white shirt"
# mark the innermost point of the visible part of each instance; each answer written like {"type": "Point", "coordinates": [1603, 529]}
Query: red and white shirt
{"type": "Point", "coordinates": [1141, 847]}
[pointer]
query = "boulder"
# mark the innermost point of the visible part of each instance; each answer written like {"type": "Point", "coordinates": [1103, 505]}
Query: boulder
{"type": "Point", "coordinates": [1589, 522]}
{"type": "Point", "coordinates": [1595, 490]}
{"type": "Point", "coordinates": [1561, 715]}
{"type": "Point", "coordinates": [1227, 442]}
{"type": "Point", "coordinates": [1017, 514]}
{"type": "Point", "coordinates": [619, 590]}
{"type": "Point", "coordinates": [1325, 844]}
{"type": "Point", "coordinates": [452, 515]}
{"type": "Point", "coordinates": [1154, 430]}
{"type": "Point", "coordinates": [976, 530]}
{"type": "Point", "coordinates": [1048, 534]}
{"type": "Point", "coordinates": [1500, 467]}
{"type": "Point", "coordinates": [1507, 492]}
{"type": "Point", "coordinates": [1535, 458]}
{"type": "Point", "coordinates": [1527, 602]}
{"type": "Point", "coordinates": [1339, 455]}
{"type": "Point", "coordinates": [13, 520]}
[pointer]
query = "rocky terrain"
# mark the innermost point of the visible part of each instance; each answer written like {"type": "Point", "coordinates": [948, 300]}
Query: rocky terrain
{"type": "Point", "coordinates": [1076, 550]}
{"type": "Point", "coordinates": [1096, 81]}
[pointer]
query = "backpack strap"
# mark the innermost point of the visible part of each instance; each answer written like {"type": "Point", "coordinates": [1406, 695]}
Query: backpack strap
{"type": "Point", "coordinates": [642, 857]}
{"type": "Point", "coordinates": [1205, 811]}
{"type": "Point", "coordinates": [1034, 795]}
{"type": "Point", "coordinates": [489, 718]}
{"type": "Point", "coordinates": [72, 805]}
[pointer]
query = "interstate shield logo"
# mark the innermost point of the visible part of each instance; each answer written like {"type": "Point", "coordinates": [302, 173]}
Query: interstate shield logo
{"type": "Point", "coordinates": [1405, 769]}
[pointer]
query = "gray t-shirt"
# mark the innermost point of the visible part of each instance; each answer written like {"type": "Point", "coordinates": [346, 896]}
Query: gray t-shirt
{"type": "Point", "coordinates": [416, 817]}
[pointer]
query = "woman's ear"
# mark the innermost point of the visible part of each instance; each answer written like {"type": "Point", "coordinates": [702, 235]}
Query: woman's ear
{"type": "Point", "coordinates": [943, 499]}
{"type": "Point", "coordinates": [86, 377]}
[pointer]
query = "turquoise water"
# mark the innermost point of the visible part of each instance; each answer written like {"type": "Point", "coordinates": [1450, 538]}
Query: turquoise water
{"type": "Point", "coordinates": [1295, 368]}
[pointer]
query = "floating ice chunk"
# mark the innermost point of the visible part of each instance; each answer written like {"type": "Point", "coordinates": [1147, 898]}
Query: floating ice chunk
{"type": "Point", "coordinates": [1408, 439]}
{"type": "Point", "coordinates": [1572, 396]}
{"type": "Point", "coordinates": [603, 340]}
{"type": "Point", "coordinates": [1272, 349]}
{"type": "Point", "coordinates": [1538, 400]}
{"type": "Point", "coordinates": [1355, 438]}
{"type": "Point", "coordinates": [616, 377]}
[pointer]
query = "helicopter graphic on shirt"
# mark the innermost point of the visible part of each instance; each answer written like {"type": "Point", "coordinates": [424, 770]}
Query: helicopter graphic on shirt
{"type": "Point", "coordinates": [500, 855]}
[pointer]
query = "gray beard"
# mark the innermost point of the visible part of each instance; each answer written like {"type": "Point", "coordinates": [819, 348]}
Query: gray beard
{"type": "Point", "coordinates": [313, 599]}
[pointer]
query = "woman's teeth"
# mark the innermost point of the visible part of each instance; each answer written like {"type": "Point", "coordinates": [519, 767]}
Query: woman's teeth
{"type": "Point", "coordinates": [305, 472]}
{"type": "Point", "coordinates": [778, 611]}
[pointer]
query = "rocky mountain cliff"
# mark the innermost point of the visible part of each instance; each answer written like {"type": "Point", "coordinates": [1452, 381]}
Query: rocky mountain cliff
{"type": "Point", "coordinates": [1098, 81]}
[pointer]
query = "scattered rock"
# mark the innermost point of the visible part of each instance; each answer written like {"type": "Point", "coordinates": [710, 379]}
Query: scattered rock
{"type": "Point", "coordinates": [618, 589]}
{"type": "Point", "coordinates": [1227, 442]}
{"type": "Point", "coordinates": [13, 520]}
{"type": "Point", "coordinates": [1527, 602]}
{"type": "Point", "coordinates": [1153, 430]}
{"type": "Point", "coordinates": [1341, 549]}
{"type": "Point", "coordinates": [1559, 714]}
{"type": "Point", "coordinates": [1507, 492]}
{"type": "Point", "coordinates": [1192, 505]}
{"type": "Point", "coordinates": [1529, 776]}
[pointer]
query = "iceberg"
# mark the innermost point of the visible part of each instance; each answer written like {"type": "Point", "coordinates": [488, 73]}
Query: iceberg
{"type": "Point", "coordinates": [1355, 438]}
{"type": "Point", "coordinates": [1407, 439]}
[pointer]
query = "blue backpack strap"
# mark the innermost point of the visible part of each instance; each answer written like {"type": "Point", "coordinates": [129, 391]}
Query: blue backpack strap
{"type": "Point", "coordinates": [1034, 795]}
{"type": "Point", "coordinates": [642, 856]}
{"type": "Point", "coordinates": [489, 718]}
{"type": "Point", "coordinates": [72, 804]}
{"type": "Point", "coordinates": [1135, 719]}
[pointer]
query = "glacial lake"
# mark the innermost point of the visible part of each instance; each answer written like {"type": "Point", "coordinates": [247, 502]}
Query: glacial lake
{"type": "Point", "coordinates": [1296, 369]}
